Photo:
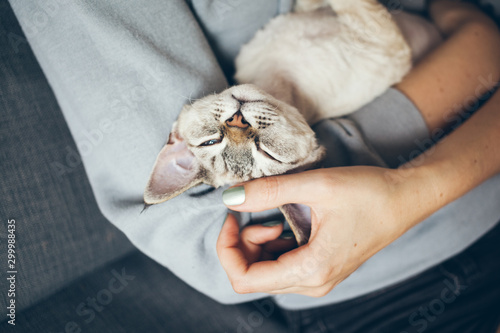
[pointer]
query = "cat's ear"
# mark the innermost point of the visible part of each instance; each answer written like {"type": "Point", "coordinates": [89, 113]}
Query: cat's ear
{"type": "Point", "coordinates": [175, 171]}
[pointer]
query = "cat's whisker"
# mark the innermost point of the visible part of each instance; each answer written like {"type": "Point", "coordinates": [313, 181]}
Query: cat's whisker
{"type": "Point", "coordinates": [181, 95]}
{"type": "Point", "coordinates": [274, 110]}
{"type": "Point", "coordinates": [190, 99]}
{"type": "Point", "coordinates": [271, 111]}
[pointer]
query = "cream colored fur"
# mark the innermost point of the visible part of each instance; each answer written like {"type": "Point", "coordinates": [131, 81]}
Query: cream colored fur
{"type": "Point", "coordinates": [327, 63]}
{"type": "Point", "coordinates": [302, 67]}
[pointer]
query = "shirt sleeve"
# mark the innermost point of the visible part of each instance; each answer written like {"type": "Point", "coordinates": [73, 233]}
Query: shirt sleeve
{"type": "Point", "coordinates": [394, 127]}
{"type": "Point", "coordinates": [121, 72]}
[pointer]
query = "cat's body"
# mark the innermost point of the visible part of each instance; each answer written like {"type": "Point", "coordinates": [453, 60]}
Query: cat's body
{"type": "Point", "coordinates": [330, 64]}
{"type": "Point", "coordinates": [301, 68]}
{"type": "Point", "coordinates": [324, 64]}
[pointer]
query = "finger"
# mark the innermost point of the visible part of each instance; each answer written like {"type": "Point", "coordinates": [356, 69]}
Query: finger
{"type": "Point", "coordinates": [231, 257]}
{"type": "Point", "coordinates": [254, 236]}
{"type": "Point", "coordinates": [265, 276]}
{"type": "Point", "coordinates": [258, 277]}
{"type": "Point", "coordinates": [271, 192]}
{"type": "Point", "coordinates": [280, 246]}
{"type": "Point", "coordinates": [270, 276]}
{"type": "Point", "coordinates": [274, 249]}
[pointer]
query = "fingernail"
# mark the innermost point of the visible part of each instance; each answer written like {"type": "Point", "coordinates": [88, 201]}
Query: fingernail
{"type": "Point", "coordinates": [271, 223]}
{"type": "Point", "coordinates": [234, 196]}
{"type": "Point", "coordinates": [287, 234]}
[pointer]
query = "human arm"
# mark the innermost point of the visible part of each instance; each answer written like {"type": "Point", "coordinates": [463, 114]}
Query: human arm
{"type": "Point", "coordinates": [121, 73]}
{"type": "Point", "coordinates": [444, 85]}
{"type": "Point", "coordinates": [356, 211]}
{"type": "Point", "coordinates": [461, 70]}
{"type": "Point", "coordinates": [359, 210]}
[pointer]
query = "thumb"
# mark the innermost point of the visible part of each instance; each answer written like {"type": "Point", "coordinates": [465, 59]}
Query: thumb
{"type": "Point", "coordinates": [271, 192]}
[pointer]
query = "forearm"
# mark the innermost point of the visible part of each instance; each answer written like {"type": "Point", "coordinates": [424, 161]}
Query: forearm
{"type": "Point", "coordinates": [456, 165]}
{"type": "Point", "coordinates": [458, 72]}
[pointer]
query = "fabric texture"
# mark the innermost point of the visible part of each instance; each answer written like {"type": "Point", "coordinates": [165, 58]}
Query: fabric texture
{"type": "Point", "coordinates": [60, 233]}
{"type": "Point", "coordinates": [134, 295]}
{"type": "Point", "coordinates": [121, 73]}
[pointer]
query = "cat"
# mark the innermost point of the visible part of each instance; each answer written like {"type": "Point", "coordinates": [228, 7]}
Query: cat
{"type": "Point", "coordinates": [324, 60]}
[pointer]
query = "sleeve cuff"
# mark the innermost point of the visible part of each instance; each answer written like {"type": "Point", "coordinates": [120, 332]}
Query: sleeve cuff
{"type": "Point", "coordinates": [394, 127]}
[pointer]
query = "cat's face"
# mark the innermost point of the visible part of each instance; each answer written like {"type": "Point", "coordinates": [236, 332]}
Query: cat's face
{"type": "Point", "coordinates": [235, 136]}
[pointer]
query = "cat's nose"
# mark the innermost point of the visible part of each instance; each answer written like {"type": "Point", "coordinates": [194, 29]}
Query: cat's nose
{"type": "Point", "coordinates": [237, 120]}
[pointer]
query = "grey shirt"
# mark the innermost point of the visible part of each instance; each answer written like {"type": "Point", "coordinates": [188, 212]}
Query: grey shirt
{"type": "Point", "coordinates": [121, 72]}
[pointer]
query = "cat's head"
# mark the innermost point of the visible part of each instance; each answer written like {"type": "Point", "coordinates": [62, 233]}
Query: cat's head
{"type": "Point", "coordinates": [240, 134]}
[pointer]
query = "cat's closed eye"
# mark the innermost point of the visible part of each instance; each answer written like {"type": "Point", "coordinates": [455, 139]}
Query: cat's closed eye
{"type": "Point", "coordinates": [263, 152]}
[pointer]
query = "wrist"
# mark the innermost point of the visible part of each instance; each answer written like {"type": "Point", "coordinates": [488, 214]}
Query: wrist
{"type": "Point", "coordinates": [416, 193]}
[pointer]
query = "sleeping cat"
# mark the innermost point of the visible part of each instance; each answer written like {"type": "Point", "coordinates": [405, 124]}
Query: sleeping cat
{"type": "Point", "coordinates": [327, 59]}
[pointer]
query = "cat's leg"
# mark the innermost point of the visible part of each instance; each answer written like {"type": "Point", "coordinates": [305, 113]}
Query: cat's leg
{"type": "Point", "coordinates": [371, 20]}
{"type": "Point", "coordinates": [363, 14]}
{"type": "Point", "coordinates": [309, 5]}
{"type": "Point", "coordinates": [339, 6]}
{"type": "Point", "coordinates": [372, 29]}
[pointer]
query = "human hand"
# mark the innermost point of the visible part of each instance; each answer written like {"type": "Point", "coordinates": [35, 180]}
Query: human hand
{"type": "Point", "coordinates": [355, 212]}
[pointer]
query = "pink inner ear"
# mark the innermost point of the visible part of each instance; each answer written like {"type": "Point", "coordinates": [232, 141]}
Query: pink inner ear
{"type": "Point", "coordinates": [175, 171]}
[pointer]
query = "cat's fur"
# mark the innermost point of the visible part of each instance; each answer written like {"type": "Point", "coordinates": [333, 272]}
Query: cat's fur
{"type": "Point", "coordinates": [301, 68]}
